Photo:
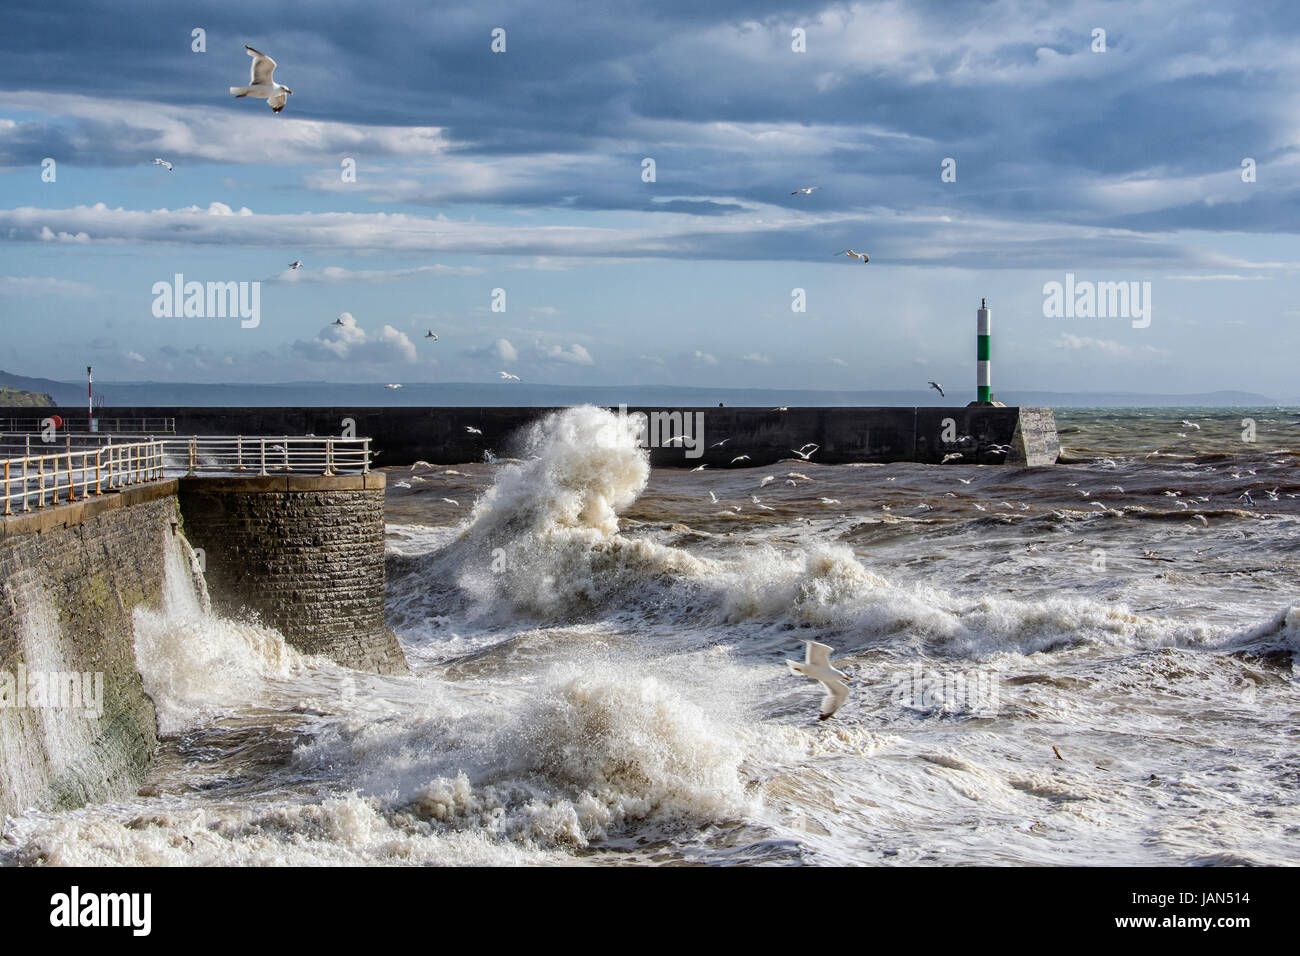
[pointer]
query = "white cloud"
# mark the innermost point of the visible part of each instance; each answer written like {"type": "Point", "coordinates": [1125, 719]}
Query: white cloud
{"type": "Point", "coordinates": [349, 341]}
{"type": "Point", "coordinates": [704, 358]}
{"type": "Point", "coordinates": [124, 130]}
{"type": "Point", "coordinates": [42, 285]}
{"type": "Point", "coordinates": [575, 354]}
{"type": "Point", "coordinates": [336, 275]}
{"type": "Point", "coordinates": [135, 356]}
{"type": "Point", "coordinates": [1107, 348]}
{"type": "Point", "coordinates": [756, 358]}
{"type": "Point", "coordinates": [499, 351]}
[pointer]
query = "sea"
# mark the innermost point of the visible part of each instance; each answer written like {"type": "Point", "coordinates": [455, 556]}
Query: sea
{"type": "Point", "coordinates": [1092, 663]}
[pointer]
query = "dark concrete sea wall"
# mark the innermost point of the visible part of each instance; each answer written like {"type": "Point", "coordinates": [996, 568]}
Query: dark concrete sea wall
{"type": "Point", "coordinates": [305, 555]}
{"type": "Point", "coordinates": [70, 580]}
{"type": "Point", "coordinates": [405, 435]}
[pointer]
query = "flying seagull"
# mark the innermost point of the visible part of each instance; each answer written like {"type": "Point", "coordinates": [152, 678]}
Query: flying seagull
{"type": "Point", "coordinates": [338, 321]}
{"type": "Point", "coordinates": [473, 431]}
{"type": "Point", "coordinates": [431, 335]}
{"type": "Point", "coordinates": [806, 190]}
{"type": "Point", "coordinates": [392, 385]}
{"type": "Point", "coordinates": [162, 162]}
{"type": "Point", "coordinates": [507, 377]}
{"type": "Point", "coordinates": [817, 665]}
{"type": "Point", "coordinates": [853, 255]}
{"type": "Point", "coordinates": [938, 388]}
{"type": "Point", "coordinates": [807, 451]}
{"type": "Point", "coordinates": [740, 458]}
{"type": "Point", "coordinates": [261, 84]}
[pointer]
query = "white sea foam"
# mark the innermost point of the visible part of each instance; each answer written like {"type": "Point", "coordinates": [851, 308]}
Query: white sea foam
{"type": "Point", "coordinates": [196, 664]}
{"type": "Point", "coordinates": [578, 755]}
{"type": "Point", "coordinates": [593, 682]}
{"type": "Point", "coordinates": [543, 544]}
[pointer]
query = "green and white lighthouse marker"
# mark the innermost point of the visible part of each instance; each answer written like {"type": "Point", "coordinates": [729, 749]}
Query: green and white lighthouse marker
{"type": "Point", "coordinates": [984, 394]}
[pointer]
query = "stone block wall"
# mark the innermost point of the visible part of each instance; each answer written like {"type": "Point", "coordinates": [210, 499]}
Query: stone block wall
{"type": "Point", "coordinates": [70, 579]}
{"type": "Point", "coordinates": [305, 555]}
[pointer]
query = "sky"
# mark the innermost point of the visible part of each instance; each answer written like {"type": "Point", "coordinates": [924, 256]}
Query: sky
{"type": "Point", "coordinates": [504, 198]}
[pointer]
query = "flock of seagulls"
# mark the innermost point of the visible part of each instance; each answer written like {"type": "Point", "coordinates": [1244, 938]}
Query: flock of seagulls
{"type": "Point", "coordinates": [262, 85]}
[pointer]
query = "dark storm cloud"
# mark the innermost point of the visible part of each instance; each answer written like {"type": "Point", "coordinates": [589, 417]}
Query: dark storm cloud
{"type": "Point", "coordinates": [1037, 122]}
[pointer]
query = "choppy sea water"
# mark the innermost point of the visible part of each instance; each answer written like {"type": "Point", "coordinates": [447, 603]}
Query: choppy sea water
{"type": "Point", "coordinates": [1092, 663]}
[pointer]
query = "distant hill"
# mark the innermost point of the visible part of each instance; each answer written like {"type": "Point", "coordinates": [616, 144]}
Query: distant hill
{"type": "Point", "coordinates": [57, 393]}
{"type": "Point", "coordinates": [125, 395]}
{"type": "Point", "coordinates": [14, 398]}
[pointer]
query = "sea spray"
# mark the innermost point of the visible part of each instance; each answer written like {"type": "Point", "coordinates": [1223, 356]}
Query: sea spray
{"type": "Point", "coordinates": [195, 664]}
{"type": "Point", "coordinates": [580, 755]}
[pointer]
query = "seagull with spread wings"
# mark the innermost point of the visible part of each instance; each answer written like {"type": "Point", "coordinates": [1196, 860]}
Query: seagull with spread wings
{"type": "Point", "coordinates": [261, 83]}
{"type": "Point", "coordinates": [817, 665]}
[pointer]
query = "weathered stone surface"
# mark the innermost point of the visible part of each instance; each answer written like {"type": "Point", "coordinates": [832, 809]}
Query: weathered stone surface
{"type": "Point", "coordinates": [1035, 442]}
{"type": "Point", "coordinates": [307, 561]}
{"type": "Point", "coordinates": [69, 582]}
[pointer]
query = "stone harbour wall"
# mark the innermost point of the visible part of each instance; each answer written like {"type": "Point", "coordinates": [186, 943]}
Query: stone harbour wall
{"type": "Point", "coordinates": [70, 579]}
{"type": "Point", "coordinates": [303, 554]}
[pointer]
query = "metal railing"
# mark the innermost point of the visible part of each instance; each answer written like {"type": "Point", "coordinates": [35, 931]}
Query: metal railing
{"type": "Point", "coordinates": [68, 476]}
{"type": "Point", "coordinates": [267, 455]}
{"type": "Point", "coordinates": [92, 464]}
{"type": "Point", "coordinates": [239, 454]}
{"type": "Point", "coordinates": [117, 425]}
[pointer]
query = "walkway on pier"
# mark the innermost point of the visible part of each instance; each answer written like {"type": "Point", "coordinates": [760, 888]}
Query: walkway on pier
{"type": "Point", "coordinates": [39, 474]}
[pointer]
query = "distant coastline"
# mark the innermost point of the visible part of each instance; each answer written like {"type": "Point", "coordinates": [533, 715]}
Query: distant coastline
{"type": "Point", "coordinates": [493, 394]}
{"type": "Point", "coordinates": [17, 398]}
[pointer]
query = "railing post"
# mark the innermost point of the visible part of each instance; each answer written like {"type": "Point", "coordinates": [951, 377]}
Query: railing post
{"type": "Point", "coordinates": [27, 506]}
{"type": "Point", "coordinates": [329, 456]}
{"type": "Point", "coordinates": [8, 509]}
{"type": "Point", "coordinates": [365, 456]}
{"type": "Point", "coordinates": [72, 485]}
{"type": "Point", "coordinates": [262, 444]}
{"type": "Point", "coordinates": [41, 502]}
{"type": "Point", "coordinates": [239, 453]}
{"type": "Point", "coordinates": [194, 452]}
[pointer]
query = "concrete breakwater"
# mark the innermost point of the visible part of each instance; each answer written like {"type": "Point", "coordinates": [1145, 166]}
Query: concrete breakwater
{"type": "Point", "coordinates": [403, 435]}
{"type": "Point", "coordinates": [305, 555]}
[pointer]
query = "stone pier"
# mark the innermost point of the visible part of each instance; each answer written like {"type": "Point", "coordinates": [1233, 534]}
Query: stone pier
{"type": "Point", "coordinates": [305, 554]}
